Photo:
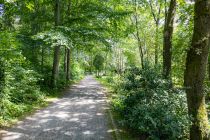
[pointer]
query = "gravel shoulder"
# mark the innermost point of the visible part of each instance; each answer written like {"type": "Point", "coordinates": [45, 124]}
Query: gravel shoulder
{"type": "Point", "coordinates": [79, 115]}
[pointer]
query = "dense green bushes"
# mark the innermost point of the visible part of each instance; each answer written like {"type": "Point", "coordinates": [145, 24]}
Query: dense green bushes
{"type": "Point", "coordinates": [77, 71]}
{"type": "Point", "coordinates": [18, 87]}
{"type": "Point", "coordinates": [148, 104]}
{"type": "Point", "coordinates": [23, 85]}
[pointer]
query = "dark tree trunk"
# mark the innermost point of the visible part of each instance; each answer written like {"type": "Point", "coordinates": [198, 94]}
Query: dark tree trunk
{"type": "Point", "coordinates": [57, 13]}
{"type": "Point", "coordinates": [137, 36]}
{"type": "Point", "coordinates": [65, 60]}
{"type": "Point", "coordinates": [196, 64]}
{"type": "Point", "coordinates": [91, 63]}
{"type": "Point", "coordinates": [156, 43]}
{"type": "Point", "coordinates": [106, 63]}
{"type": "Point", "coordinates": [68, 65]}
{"type": "Point", "coordinates": [42, 60]}
{"type": "Point", "coordinates": [167, 39]}
{"type": "Point", "coordinates": [2, 76]}
{"type": "Point", "coordinates": [55, 71]}
{"type": "Point", "coordinates": [209, 69]}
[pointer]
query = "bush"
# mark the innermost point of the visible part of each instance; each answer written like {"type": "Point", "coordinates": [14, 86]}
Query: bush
{"type": "Point", "coordinates": [147, 103]}
{"type": "Point", "coordinates": [19, 89]}
{"type": "Point", "coordinates": [77, 71]}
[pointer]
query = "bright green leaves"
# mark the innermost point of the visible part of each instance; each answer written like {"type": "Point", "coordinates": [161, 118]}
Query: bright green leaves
{"type": "Point", "coordinates": [30, 6]}
{"type": "Point", "coordinates": [54, 38]}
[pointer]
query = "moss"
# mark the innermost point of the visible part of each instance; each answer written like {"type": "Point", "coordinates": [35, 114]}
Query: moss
{"type": "Point", "coordinates": [203, 120]}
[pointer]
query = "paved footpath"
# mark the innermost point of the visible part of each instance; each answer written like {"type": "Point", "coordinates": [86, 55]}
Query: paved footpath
{"type": "Point", "coordinates": [79, 115]}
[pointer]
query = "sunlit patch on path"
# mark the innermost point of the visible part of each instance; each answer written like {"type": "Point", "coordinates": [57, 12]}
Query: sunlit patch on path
{"type": "Point", "coordinates": [79, 115]}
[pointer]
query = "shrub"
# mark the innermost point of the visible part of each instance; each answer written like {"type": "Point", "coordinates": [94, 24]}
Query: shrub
{"type": "Point", "coordinates": [77, 71]}
{"type": "Point", "coordinates": [149, 104]}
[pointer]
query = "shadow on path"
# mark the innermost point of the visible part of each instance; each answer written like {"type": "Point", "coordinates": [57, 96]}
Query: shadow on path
{"type": "Point", "coordinates": [79, 115]}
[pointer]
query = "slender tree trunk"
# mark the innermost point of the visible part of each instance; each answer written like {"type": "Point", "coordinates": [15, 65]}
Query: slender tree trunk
{"type": "Point", "coordinates": [2, 76]}
{"type": "Point", "coordinates": [106, 63]}
{"type": "Point", "coordinates": [167, 39]}
{"type": "Point", "coordinates": [55, 71]}
{"type": "Point", "coordinates": [65, 60]}
{"type": "Point", "coordinates": [209, 69]}
{"type": "Point", "coordinates": [91, 63]}
{"type": "Point", "coordinates": [42, 60]}
{"type": "Point", "coordinates": [156, 17]}
{"type": "Point", "coordinates": [137, 35]}
{"type": "Point", "coordinates": [156, 43]}
{"type": "Point", "coordinates": [196, 64]}
{"type": "Point", "coordinates": [139, 44]}
{"type": "Point", "coordinates": [68, 65]}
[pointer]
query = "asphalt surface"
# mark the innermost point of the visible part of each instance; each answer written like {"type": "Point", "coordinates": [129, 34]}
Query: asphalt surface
{"type": "Point", "coordinates": [79, 115]}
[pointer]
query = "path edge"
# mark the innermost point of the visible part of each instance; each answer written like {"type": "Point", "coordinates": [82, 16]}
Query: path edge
{"type": "Point", "coordinates": [116, 131]}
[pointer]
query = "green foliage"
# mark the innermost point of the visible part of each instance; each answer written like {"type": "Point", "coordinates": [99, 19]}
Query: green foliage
{"type": "Point", "coordinates": [101, 34]}
{"type": "Point", "coordinates": [19, 89]}
{"type": "Point", "coordinates": [77, 71]}
{"type": "Point", "coordinates": [148, 104]}
{"type": "Point", "coordinates": [54, 38]}
{"type": "Point", "coordinates": [98, 62]}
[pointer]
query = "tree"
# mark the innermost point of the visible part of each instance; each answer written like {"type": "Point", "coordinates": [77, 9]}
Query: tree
{"type": "Point", "coordinates": [55, 70]}
{"type": "Point", "coordinates": [167, 38]}
{"type": "Point", "coordinates": [137, 36]}
{"type": "Point", "coordinates": [194, 75]}
{"type": "Point", "coordinates": [156, 13]}
{"type": "Point", "coordinates": [98, 63]}
{"type": "Point", "coordinates": [68, 64]}
{"type": "Point", "coordinates": [2, 76]}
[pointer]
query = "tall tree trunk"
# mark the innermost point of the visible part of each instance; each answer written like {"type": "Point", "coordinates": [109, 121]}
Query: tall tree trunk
{"type": "Point", "coordinates": [106, 63]}
{"type": "Point", "coordinates": [65, 60]}
{"type": "Point", "coordinates": [137, 35]}
{"type": "Point", "coordinates": [167, 39]}
{"type": "Point", "coordinates": [209, 68]}
{"type": "Point", "coordinates": [55, 71]}
{"type": "Point", "coordinates": [68, 65]}
{"type": "Point", "coordinates": [91, 63]}
{"type": "Point", "coordinates": [156, 17]}
{"type": "Point", "coordinates": [196, 64]}
{"type": "Point", "coordinates": [156, 43]}
{"type": "Point", "coordinates": [2, 76]}
{"type": "Point", "coordinates": [42, 59]}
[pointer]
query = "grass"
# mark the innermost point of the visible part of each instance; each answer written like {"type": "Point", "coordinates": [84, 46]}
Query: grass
{"type": "Point", "coordinates": [28, 110]}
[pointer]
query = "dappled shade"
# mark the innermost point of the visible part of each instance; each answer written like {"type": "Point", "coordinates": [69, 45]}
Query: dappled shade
{"type": "Point", "coordinates": [80, 114]}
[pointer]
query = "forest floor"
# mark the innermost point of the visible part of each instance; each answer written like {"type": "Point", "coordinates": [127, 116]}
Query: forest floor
{"type": "Point", "coordinates": [81, 114]}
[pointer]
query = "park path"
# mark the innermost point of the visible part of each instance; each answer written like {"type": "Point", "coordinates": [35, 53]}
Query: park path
{"type": "Point", "coordinates": [79, 115]}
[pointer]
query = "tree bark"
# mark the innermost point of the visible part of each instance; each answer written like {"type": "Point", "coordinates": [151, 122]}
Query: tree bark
{"type": "Point", "coordinates": [196, 64]}
{"type": "Point", "coordinates": [55, 71]}
{"type": "Point", "coordinates": [167, 39]}
{"type": "Point", "coordinates": [156, 43]}
{"type": "Point", "coordinates": [2, 76]}
{"type": "Point", "coordinates": [68, 65]}
{"type": "Point", "coordinates": [137, 35]}
{"type": "Point", "coordinates": [209, 68]}
{"type": "Point", "coordinates": [65, 60]}
{"type": "Point", "coordinates": [42, 59]}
